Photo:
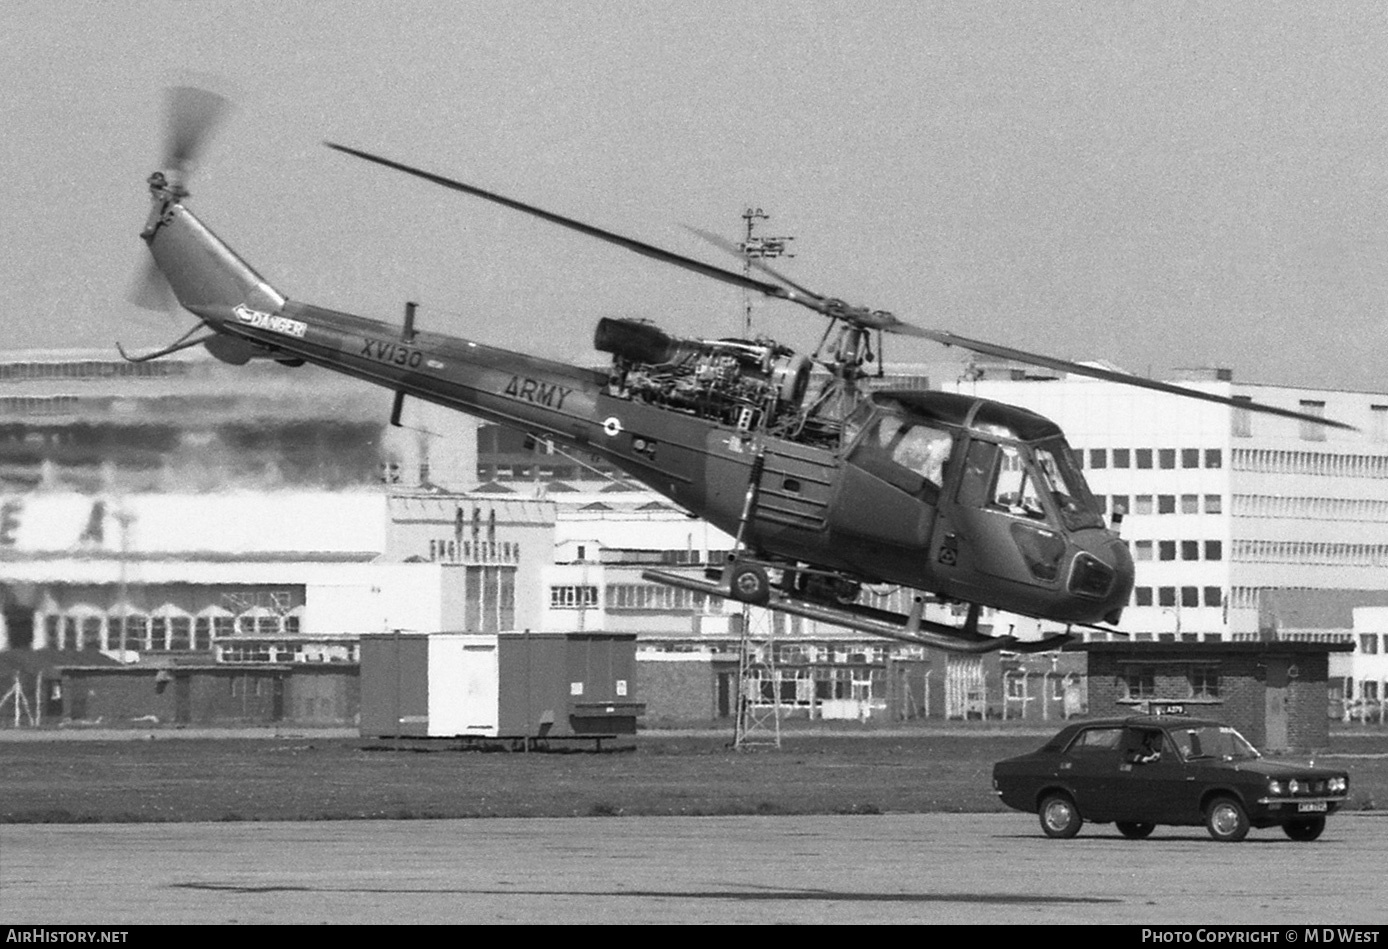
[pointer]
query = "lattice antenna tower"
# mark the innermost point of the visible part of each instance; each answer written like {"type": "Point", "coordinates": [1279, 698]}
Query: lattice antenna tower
{"type": "Point", "coordinates": [755, 246]}
{"type": "Point", "coordinates": [755, 723]}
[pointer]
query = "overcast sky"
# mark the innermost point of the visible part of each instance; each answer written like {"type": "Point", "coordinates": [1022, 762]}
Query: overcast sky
{"type": "Point", "coordinates": [1156, 184]}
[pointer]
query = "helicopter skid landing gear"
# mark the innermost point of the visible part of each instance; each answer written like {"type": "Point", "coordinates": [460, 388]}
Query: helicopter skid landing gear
{"type": "Point", "coordinates": [827, 589]}
{"type": "Point", "coordinates": [748, 583]}
{"type": "Point", "coordinates": [910, 629]}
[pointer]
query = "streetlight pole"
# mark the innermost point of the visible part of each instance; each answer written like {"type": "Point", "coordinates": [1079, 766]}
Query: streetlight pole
{"type": "Point", "coordinates": [124, 519]}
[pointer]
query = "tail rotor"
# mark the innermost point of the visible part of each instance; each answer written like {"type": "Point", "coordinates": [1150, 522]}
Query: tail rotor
{"type": "Point", "coordinates": [191, 115]}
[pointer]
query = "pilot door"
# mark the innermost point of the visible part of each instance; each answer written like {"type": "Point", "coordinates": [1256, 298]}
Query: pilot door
{"type": "Point", "coordinates": [1001, 526]}
{"type": "Point", "coordinates": [889, 487]}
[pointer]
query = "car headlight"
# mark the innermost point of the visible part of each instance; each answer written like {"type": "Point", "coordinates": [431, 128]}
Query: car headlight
{"type": "Point", "coordinates": [1295, 786]}
{"type": "Point", "coordinates": [1274, 786]}
{"type": "Point", "coordinates": [1339, 785]}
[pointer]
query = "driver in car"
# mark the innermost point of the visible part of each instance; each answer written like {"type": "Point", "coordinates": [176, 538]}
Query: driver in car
{"type": "Point", "coordinates": [1148, 749]}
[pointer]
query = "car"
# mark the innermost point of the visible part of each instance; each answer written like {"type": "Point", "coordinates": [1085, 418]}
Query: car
{"type": "Point", "coordinates": [1146, 770]}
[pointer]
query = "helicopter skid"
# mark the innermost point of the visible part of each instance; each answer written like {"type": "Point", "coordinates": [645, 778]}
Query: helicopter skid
{"type": "Point", "coordinates": [926, 633]}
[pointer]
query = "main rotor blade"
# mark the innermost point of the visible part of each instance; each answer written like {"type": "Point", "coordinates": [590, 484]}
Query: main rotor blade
{"type": "Point", "coordinates": [1108, 375]}
{"type": "Point", "coordinates": [787, 289]}
{"type": "Point", "coordinates": [645, 250]}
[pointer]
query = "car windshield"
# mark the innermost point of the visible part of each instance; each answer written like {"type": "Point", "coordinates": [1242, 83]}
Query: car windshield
{"type": "Point", "coordinates": [1213, 741]}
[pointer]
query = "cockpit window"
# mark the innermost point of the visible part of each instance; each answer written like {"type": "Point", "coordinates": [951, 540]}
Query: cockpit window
{"type": "Point", "coordinates": [905, 452]}
{"type": "Point", "coordinates": [1015, 489]}
{"type": "Point", "coordinates": [1067, 486]}
{"type": "Point", "coordinates": [996, 476]}
{"type": "Point", "coordinates": [919, 447]}
{"type": "Point", "coordinates": [1017, 479]}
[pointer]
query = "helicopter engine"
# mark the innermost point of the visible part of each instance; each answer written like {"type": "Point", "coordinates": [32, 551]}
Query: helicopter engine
{"type": "Point", "coordinates": [734, 381]}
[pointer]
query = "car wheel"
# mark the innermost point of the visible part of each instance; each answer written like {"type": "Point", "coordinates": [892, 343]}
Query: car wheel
{"type": "Point", "coordinates": [1306, 828]}
{"type": "Point", "coordinates": [1059, 816]}
{"type": "Point", "coordinates": [749, 584]}
{"type": "Point", "coordinates": [1226, 820]}
{"type": "Point", "coordinates": [1135, 829]}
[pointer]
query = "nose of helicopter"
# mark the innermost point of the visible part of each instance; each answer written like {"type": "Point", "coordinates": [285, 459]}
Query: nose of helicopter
{"type": "Point", "coordinates": [1102, 570]}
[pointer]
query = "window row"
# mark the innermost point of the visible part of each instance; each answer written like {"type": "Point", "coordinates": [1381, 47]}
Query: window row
{"type": "Point", "coordinates": [164, 631]}
{"type": "Point", "coordinates": [239, 651]}
{"type": "Point", "coordinates": [1018, 686]}
{"type": "Point", "coordinates": [1329, 509]}
{"type": "Point", "coordinates": [808, 686]}
{"type": "Point", "coordinates": [1177, 549]}
{"type": "Point", "coordinates": [1310, 552]}
{"type": "Point", "coordinates": [1173, 637]}
{"type": "Point", "coordinates": [1299, 636]}
{"type": "Point", "coordinates": [38, 405]}
{"type": "Point", "coordinates": [1144, 504]}
{"type": "Point", "coordinates": [91, 369]}
{"type": "Point", "coordinates": [1249, 598]}
{"type": "Point", "coordinates": [1269, 461]}
{"type": "Point", "coordinates": [679, 555]}
{"type": "Point", "coordinates": [652, 596]}
{"type": "Point", "coordinates": [1143, 458]}
{"type": "Point", "coordinates": [1178, 596]}
{"type": "Point", "coordinates": [543, 472]}
{"type": "Point", "coordinates": [1194, 682]}
{"type": "Point", "coordinates": [573, 597]}
{"type": "Point", "coordinates": [812, 653]}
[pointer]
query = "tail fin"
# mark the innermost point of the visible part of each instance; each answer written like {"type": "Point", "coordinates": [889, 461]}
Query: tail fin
{"type": "Point", "coordinates": [206, 275]}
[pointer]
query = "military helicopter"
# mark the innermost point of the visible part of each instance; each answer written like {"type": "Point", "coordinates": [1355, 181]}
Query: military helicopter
{"type": "Point", "coordinates": [826, 484]}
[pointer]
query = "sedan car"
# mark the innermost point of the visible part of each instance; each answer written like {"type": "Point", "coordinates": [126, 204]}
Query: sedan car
{"type": "Point", "coordinates": [1147, 770]}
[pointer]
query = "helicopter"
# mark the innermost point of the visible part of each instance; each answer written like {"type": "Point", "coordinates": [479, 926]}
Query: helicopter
{"type": "Point", "coordinates": [828, 485]}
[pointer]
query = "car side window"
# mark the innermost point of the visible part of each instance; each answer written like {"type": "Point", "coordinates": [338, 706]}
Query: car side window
{"type": "Point", "coordinates": [1095, 741]}
{"type": "Point", "coordinates": [1144, 745]}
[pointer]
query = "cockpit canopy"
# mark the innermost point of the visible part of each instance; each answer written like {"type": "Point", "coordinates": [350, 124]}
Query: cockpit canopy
{"type": "Point", "coordinates": [999, 456]}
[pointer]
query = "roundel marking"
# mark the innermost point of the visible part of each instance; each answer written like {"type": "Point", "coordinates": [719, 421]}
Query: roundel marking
{"type": "Point", "coordinates": [612, 426]}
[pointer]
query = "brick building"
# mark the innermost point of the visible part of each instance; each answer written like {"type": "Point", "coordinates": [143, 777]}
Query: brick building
{"type": "Point", "coordinates": [1275, 693]}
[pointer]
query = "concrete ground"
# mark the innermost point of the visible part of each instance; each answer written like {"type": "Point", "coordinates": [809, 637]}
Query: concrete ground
{"type": "Point", "coordinates": [940, 868]}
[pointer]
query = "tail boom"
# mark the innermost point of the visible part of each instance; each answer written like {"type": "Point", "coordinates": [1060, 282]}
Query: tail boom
{"type": "Point", "coordinates": [252, 318]}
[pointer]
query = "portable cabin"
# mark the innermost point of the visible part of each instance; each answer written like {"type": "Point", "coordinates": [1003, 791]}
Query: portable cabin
{"type": "Point", "coordinates": [506, 685]}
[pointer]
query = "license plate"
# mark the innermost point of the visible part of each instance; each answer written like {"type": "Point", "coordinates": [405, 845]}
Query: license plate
{"type": "Point", "coordinates": [1311, 806]}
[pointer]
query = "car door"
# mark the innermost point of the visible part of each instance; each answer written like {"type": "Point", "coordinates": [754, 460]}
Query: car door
{"type": "Point", "coordinates": [1089, 767]}
{"type": "Point", "coordinates": [1152, 782]}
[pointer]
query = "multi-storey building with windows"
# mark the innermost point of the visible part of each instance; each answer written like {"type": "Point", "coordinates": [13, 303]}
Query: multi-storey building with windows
{"type": "Point", "coordinates": [1220, 505]}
